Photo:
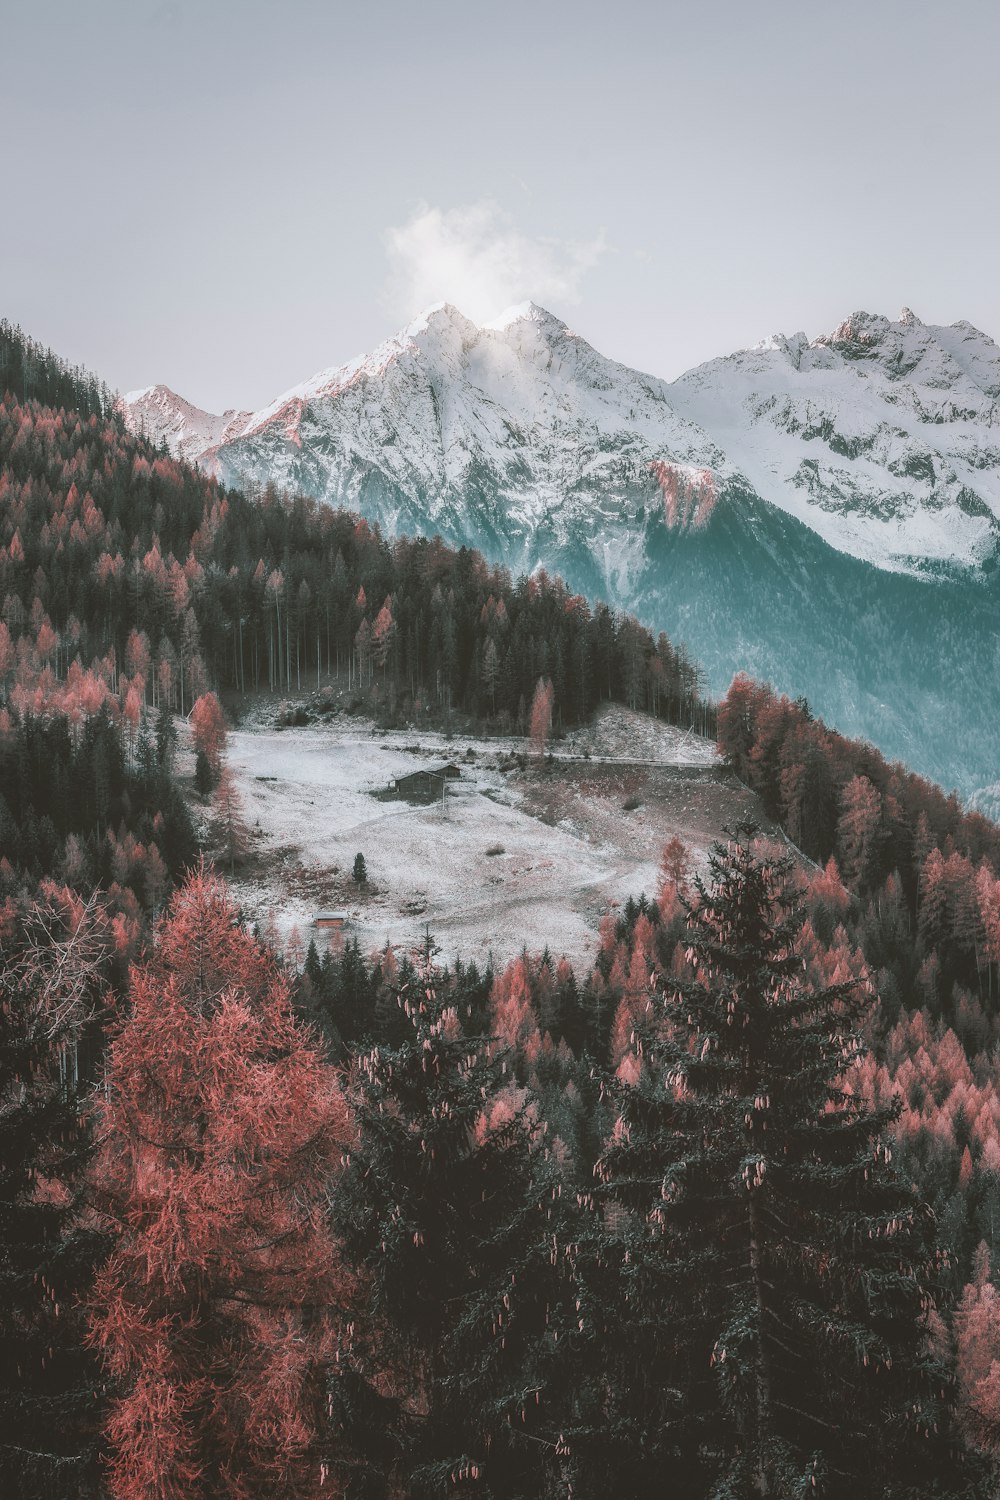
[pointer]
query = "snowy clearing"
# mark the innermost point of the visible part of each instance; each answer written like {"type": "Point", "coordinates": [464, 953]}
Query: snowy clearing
{"type": "Point", "coordinates": [518, 857]}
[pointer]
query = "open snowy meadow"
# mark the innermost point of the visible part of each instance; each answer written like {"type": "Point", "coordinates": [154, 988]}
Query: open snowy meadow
{"type": "Point", "coordinates": [512, 857]}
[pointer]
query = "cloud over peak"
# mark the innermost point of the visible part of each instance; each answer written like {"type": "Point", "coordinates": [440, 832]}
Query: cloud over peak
{"type": "Point", "coordinates": [476, 258]}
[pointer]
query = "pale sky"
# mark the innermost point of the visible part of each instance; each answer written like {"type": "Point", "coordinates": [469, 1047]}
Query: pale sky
{"type": "Point", "coordinates": [230, 195]}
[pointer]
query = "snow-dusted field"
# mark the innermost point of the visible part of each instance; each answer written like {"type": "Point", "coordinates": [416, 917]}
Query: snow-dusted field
{"type": "Point", "coordinates": [568, 848]}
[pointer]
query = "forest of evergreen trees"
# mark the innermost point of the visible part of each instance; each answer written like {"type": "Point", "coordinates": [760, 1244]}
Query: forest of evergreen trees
{"type": "Point", "coordinates": [34, 373]}
{"type": "Point", "coordinates": [718, 1217]}
{"type": "Point", "coordinates": [118, 556]}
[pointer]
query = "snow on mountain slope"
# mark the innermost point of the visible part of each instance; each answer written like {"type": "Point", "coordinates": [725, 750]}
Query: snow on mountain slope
{"type": "Point", "coordinates": [517, 437]}
{"type": "Point", "coordinates": [188, 432]}
{"type": "Point", "coordinates": [883, 436]}
{"type": "Point", "coordinates": [482, 434]}
{"type": "Point", "coordinates": [810, 512]}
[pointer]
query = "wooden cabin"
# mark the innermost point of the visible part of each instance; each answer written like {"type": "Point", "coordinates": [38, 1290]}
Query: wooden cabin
{"type": "Point", "coordinates": [330, 921]}
{"type": "Point", "coordinates": [424, 785]}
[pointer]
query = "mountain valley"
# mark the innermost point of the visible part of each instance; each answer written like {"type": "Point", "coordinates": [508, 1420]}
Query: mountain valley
{"type": "Point", "coordinates": [823, 514]}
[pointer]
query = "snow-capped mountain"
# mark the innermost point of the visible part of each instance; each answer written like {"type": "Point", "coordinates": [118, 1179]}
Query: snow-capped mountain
{"type": "Point", "coordinates": [512, 435]}
{"type": "Point", "coordinates": [883, 437]}
{"type": "Point", "coordinates": [187, 431]}
{"type": "Point", "coordinates": [823, 514]}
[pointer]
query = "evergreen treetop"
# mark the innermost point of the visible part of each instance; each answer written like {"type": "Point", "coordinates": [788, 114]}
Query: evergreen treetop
{"type": "Point", "coordinates": [445, 1206]}
{"type": "Point", "coordinates": [765, 1255]}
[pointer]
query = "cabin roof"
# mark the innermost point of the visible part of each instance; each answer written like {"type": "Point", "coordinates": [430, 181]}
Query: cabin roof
{"type": "Point", "coordinates": [448, 771]}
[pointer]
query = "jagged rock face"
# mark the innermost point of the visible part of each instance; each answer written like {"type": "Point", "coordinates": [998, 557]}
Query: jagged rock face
{"type": "Point", "coordinates": [823, 514]}
{"type": "Point", "coordinates": [517, 436]}
{"type": "Point", "coordinates": [187, 431]}
{"type": "Point", "coordinates": [883, 437]}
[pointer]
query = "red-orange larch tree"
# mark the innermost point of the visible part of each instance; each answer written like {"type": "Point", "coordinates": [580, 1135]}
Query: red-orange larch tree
{"type": "Point", "coordinates": [221, 1133]}
{"type": "Point", "coordinates": [208, 730]}
{"type": "Point", "coordinates": [231, 825]}
{"type": "Point", "coordinates": [541, 716]}
{"type": "Point", "coordinates": [384, 635]}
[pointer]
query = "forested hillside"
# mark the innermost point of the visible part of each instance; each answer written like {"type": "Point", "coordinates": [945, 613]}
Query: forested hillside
{"type": "Point", "coordinates": [720, 1214]}
{"type": "Point", "coordinates": [770, 547]}
{"type": "Point", "coordinates": [115, 554]}
{"type": "Point", "coordinates": [32, 372]}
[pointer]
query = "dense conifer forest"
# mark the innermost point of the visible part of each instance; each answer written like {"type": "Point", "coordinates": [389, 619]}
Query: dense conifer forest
{"type": "Point", "coordinates": [718, 1217]}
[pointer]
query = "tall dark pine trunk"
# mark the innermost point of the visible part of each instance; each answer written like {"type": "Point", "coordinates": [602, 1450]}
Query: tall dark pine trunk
{"type": "Point", "coordinates": [762, 1372]}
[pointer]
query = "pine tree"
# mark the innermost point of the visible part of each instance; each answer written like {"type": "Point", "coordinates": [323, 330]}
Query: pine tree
{"type": "Point", "coordinates": [230, 824]}
{"type": "Point", "coordinates": [767, 1280]}
{"type": "Point", "coordinates": [166, 736]}
{"type": "Point", "coordinates": [204, 776]}
{"type": "Point", "coordinates": [443, 1204]}
{"type": "Point", "coordinates": [50, 1386]}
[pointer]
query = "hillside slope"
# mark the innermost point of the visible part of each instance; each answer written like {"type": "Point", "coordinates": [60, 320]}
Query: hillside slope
{"type": "Point", "coordinates": [743, 509]}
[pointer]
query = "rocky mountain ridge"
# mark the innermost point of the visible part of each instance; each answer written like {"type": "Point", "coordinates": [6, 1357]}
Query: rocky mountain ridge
{"type": "Point", "coordinates": [883, 437]}
{"type": "Point", "coordinates": [822, 514]}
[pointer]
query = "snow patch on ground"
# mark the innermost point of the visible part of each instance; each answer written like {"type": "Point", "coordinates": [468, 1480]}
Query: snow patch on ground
{"type": "Point", "coordinates": [568, 849]}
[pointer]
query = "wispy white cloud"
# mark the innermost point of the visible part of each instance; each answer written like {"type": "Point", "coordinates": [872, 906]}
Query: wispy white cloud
{"type": "Point", "coordinates": [475, 257]}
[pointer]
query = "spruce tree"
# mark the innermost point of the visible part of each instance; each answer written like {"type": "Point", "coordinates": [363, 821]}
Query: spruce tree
{"type": "Point", "coordinates": [446, 1208]}
{"type": "Point", "coordinates": [204, 776]}
{"type": "Point", "coordinates": [166, 736]}
{"type": "Point", "coordinates": [763, 1289]}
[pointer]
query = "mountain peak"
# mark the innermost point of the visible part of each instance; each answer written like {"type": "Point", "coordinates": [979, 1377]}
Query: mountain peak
{"type": "Point", "coordinates": [438, 314]}
{"type": "Point", "coordinates": [862, 328]}
{"type": "Point", "coordinates": [792, 346]}
{"type": "Point", "coordinates": [867, 330]}
{"type": "Point", "coordinates": [156, 393]}
{"type": "Point", "coordinates": [880, 436]}
{"type": "Point", "coordinates": [525, 312]}
{"type": "Point", "coordinates": [164, 417]}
